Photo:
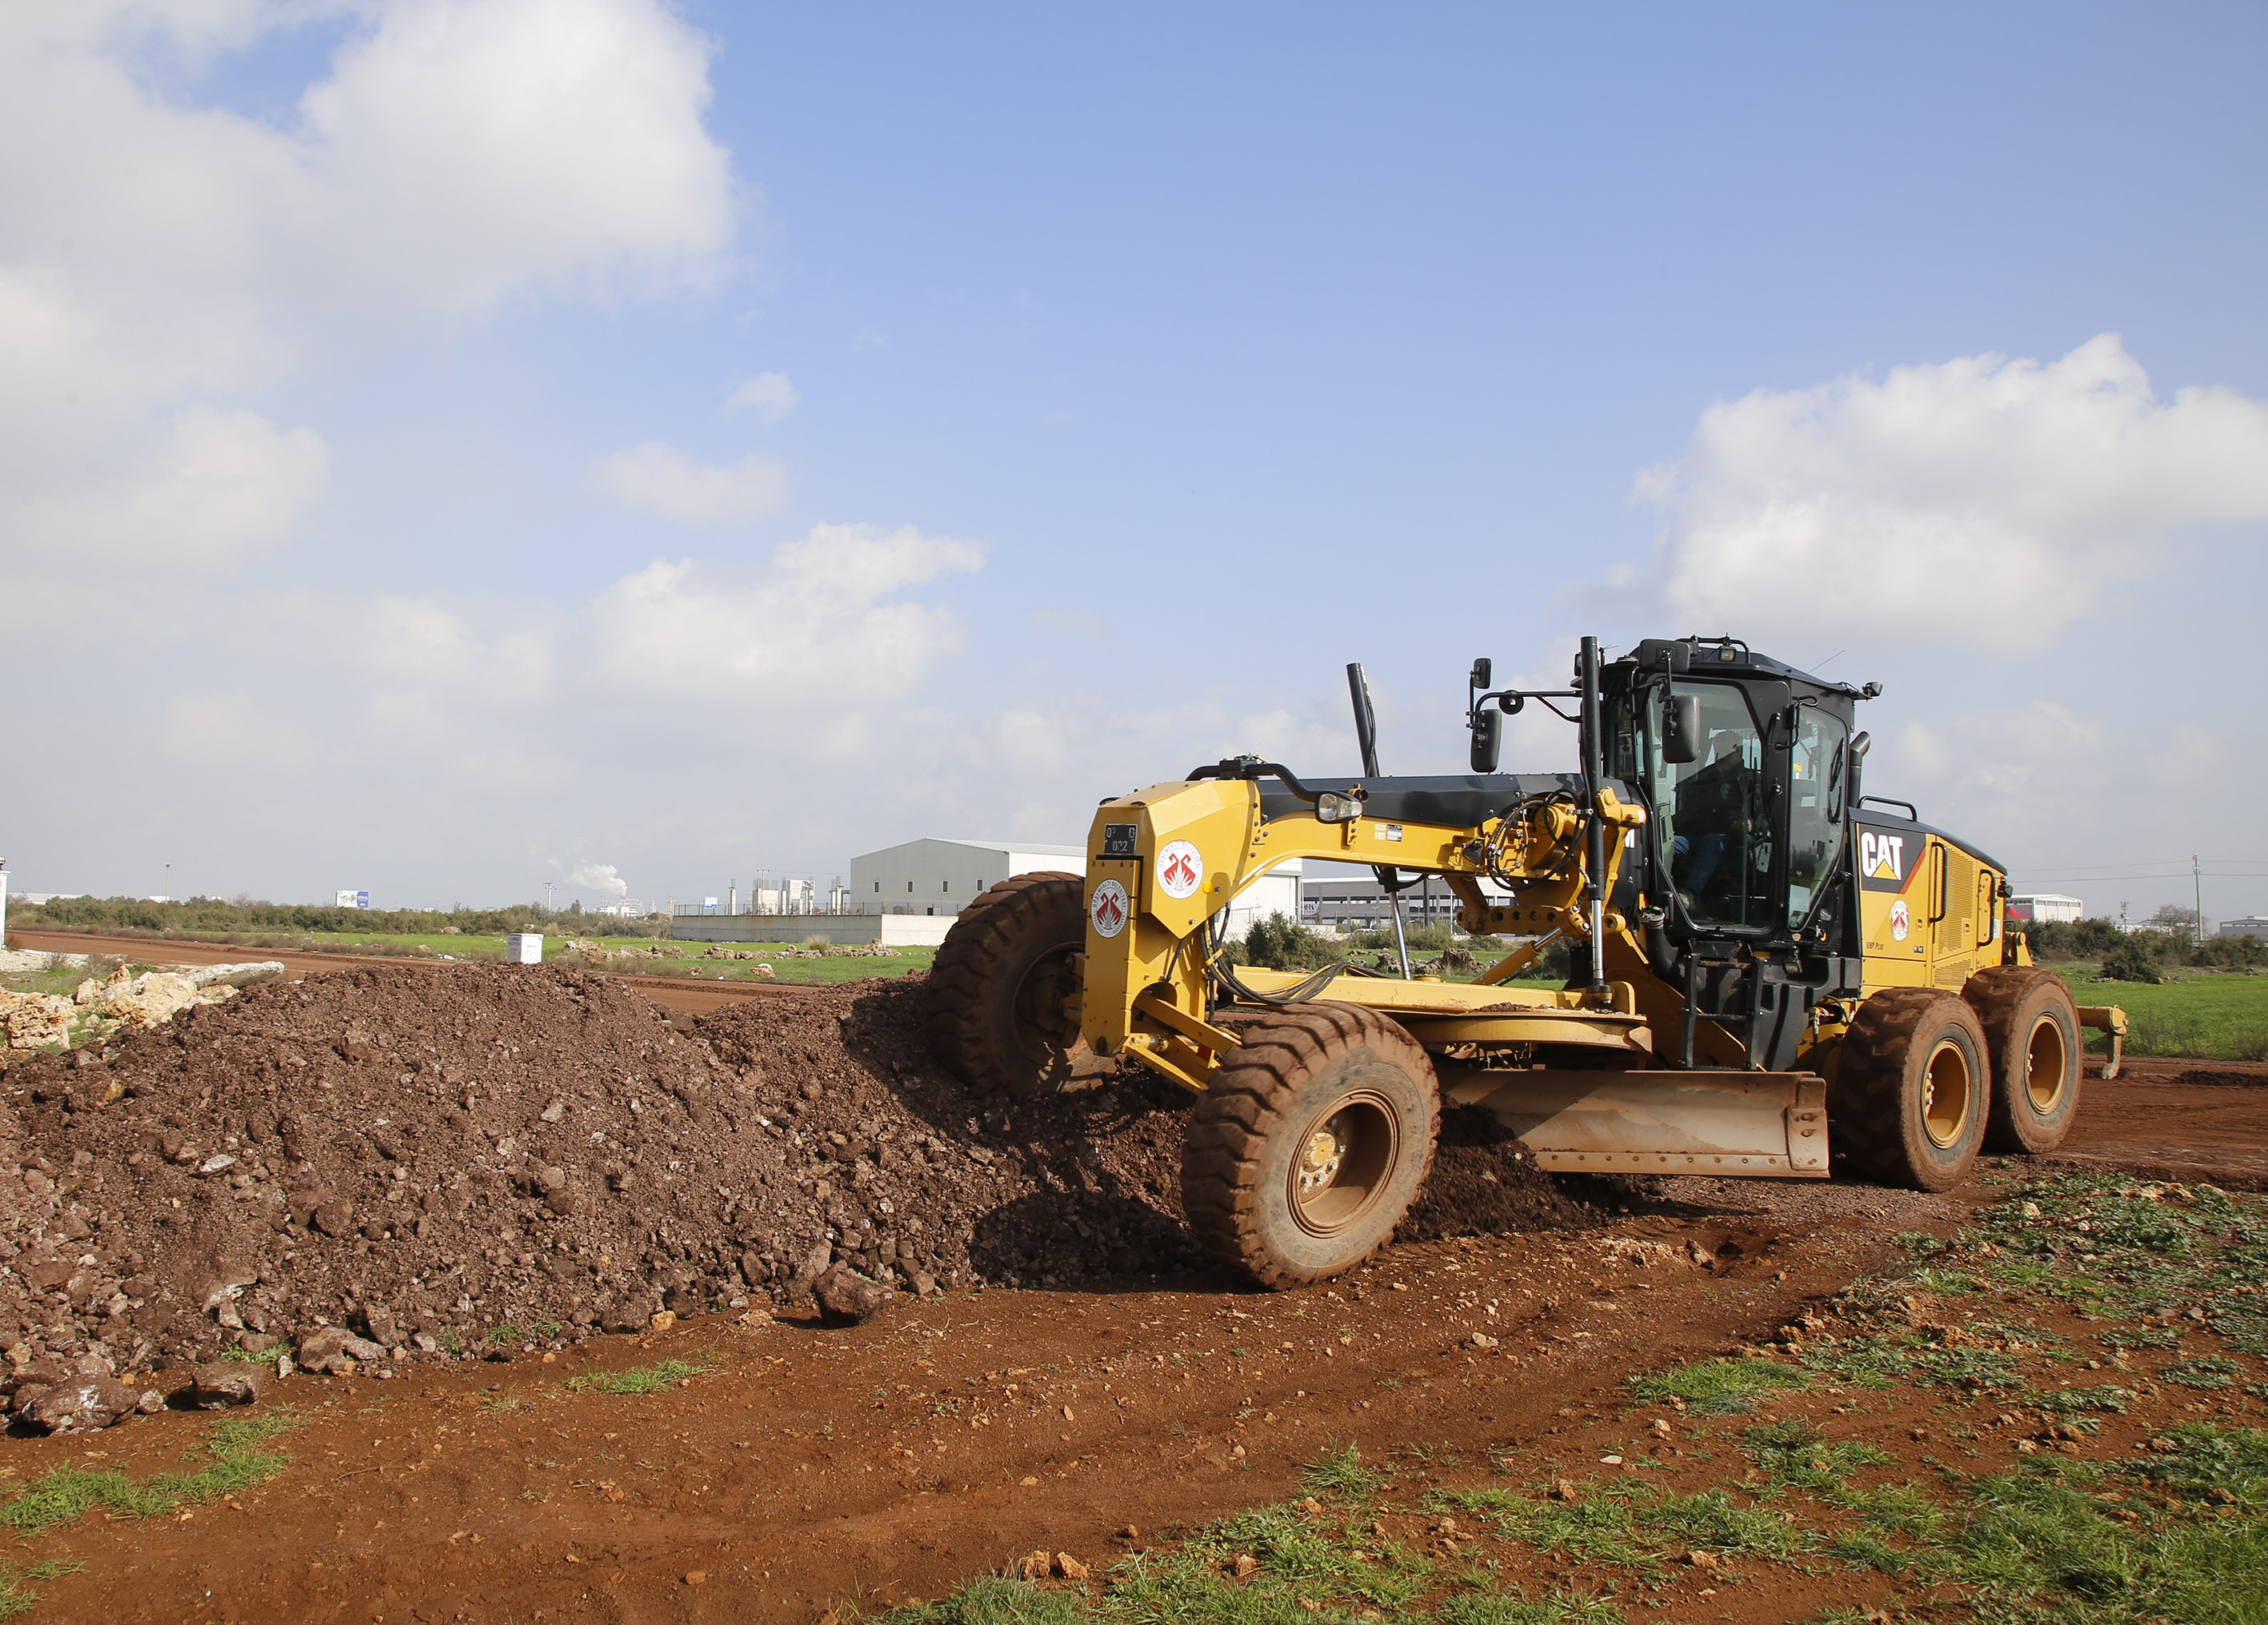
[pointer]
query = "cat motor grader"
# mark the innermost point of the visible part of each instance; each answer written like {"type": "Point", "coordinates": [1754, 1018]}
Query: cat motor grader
{"type": "Point", "coordinates": [1764, 963]}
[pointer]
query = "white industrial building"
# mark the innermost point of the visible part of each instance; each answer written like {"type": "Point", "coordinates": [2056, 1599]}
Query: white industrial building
{"type": "Point", "coordinates": [935, 875]}
{"type": "Point", "coordinates": [939, 876]}
{"type": "Point", "coordinates": [2251, 925]}
{"type": "Point", "coordinates": [2045, 908]}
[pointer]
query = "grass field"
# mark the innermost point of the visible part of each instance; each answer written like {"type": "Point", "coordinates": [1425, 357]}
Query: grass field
{"type": "Point", "coordinates": [2199, 1015]}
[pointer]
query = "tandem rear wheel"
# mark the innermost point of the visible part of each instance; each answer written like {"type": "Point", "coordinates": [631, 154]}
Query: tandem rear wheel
{"type": "Point", "coordinates": [1314, 1136]}
{"type": "Point", "coordinates": [2031, 1033]}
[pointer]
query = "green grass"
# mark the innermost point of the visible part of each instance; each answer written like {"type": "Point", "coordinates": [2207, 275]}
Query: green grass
{"type": "Point", "coordinates": [2198, 1015]}
{"type": "Point", "coordinates": [1717, 1388]}
{"type": "Point", "coordinates": [639, 1378]}
{"type": "Point", "coordinates": [16, 1594]}
{"type": "Point", "coordinates": [236, 1460]}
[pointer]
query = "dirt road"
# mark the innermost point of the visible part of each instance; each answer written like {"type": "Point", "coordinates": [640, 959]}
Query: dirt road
{"type": "Point", "coordinates": [792, 1468]}
{"type": "Point", "coordinates": [780, 1468]}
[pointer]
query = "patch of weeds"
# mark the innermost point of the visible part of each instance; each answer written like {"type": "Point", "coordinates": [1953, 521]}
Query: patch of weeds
{"type": "Point", "coordinates": [16, 1594]}
{"type": "Point", "coordinates": [1920, 1243]}
{"type": "Point", "coordinates": [246, 1356]}
{"type": "Point", "coordinates": [996, 1600]}
{"type": "Point", "coordinates": [1342, 1472]}
{"type": "Point", "coordinates": [2141, 1337]}
{"type": "Point", "coordinates": [500, 1401]}
{"type": "Point", "coordinates": [1881, 1360]}
{"type": "Point", "coordinates": [507, 1332]}
{"type": "Point", "coordinates": [639, 1378]}
{"type": "Point", "coordinates": [2071, 1401]}
{"type": "Point", "coordinates": [235, 1461]}
{"type": "Point", "coordinates": [1717, 1388]}
{"type": "Point", "coordinates": [1494, 1605]}
{"type": "Point", "coordinates": [2206, 1372]}
{"type": "Point", "coordinates": [1948, 1283]}
{"type": "Point", "coordinates": [1794, 1453]}
{"type": "Point", "coordinates": [2206, 1458]}
{"type": "Point", "coordinates": [546, 1330]}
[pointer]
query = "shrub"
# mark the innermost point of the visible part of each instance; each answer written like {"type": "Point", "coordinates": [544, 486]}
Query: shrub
{"type": "Point", "coordinates": [1276, 943]}
{"type": "Point", "coordinates": [2130, 960]}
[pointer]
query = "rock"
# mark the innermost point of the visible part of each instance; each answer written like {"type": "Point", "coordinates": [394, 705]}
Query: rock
{"type": "Point", "coordinates": [1563, 1489]}
{"type": "Point", "coordinates": [664, 1320]}
{"type": "Point", "coordinates": [1070, 1568]}
{"type": "Point", "coordinates": [226, 1383]}
{"type": "Point", "coordinates": [334, 1218]}
{"type": "Point", "coordinates": [847, 1298]}
{"type": "Point", "coordinates": [378, 1321]}
{"type": "Point", "coordinates": [335, 1352]}
{"type": "Point", "coordinates": [81, 1405]}
{"type": "Point", "coordinates": [1245, 1566]}
{"type": "Point", "coordinates": [1034, 1566]}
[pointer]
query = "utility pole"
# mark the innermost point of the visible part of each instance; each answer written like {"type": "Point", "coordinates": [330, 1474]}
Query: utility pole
{"type": "Point", "coordinates": [2196, 879]}
{"type": "Point", "coordinates": [2121, 914]}
{"type": "Point", "coordinates": [169, 882]}
{"type": "Point", "coordinates": [547, 895]}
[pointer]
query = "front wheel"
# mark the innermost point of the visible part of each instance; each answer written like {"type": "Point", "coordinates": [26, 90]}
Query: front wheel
{"type": "Point", "coordinates": [1313, 1139]}
{"type": "Point", "coordinates": [1003, 987]}
{"type": "Point", "coordinates": [1912, 1089]}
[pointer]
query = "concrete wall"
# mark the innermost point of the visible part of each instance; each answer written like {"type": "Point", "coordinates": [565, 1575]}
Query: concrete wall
{"type": "Point", "coordinates": [941, 877]}
{"type": "Point", "coordinates": [890, 930]}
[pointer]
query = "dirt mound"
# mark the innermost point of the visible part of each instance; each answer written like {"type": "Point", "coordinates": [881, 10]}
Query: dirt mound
{"type": "Point", "coordinates": [429, 1158]}
{"type": "Point", "coordinates": [2221, 1077]}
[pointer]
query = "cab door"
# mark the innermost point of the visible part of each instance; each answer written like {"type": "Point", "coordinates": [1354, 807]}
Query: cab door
{"type": "Point", "coordinates": [1953, 915]}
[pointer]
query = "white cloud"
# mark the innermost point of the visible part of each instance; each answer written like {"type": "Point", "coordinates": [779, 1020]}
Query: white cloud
{"type": "Point", "coordinates": [218, 487]}
{"type": "Point", "coordinates": [1981, 500]}
{"type": "Point", "coordinates": [599, 877]}
{"type": "Point", "coordinates": [770, 395]}
{"type": "Point", "coordinates": [817, 628]}
{"type": "Point", "coordinates": [454, 154]}
{"type": "Point", "coordinates": [662, 480]}
{"type": "Point", "coordinates": [230, 730]}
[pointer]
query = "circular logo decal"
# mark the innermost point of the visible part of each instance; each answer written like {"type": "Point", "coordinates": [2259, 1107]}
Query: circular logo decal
{"type": "Point", "coordinates": [1901, 921]}
{"type": "Point", "coordinates": [1179, 869]}
{"type": "Point", "coordinates": [1107, 908]}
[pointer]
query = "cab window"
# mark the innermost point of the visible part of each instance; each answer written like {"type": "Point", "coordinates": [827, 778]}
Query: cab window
{"type": "Point", "coordinates": [1713, 813]}
{"type": "Point", "coordinates": [1817, 768]}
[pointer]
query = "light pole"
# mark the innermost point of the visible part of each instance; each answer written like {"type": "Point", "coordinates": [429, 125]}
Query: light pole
{"type": "Point", "coordinates": [547, 895]}
{"type": "Point", "coordinates": [2196, 879]}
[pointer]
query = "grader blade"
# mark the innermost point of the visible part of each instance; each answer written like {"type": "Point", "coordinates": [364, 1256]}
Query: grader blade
{"type": "Point", "coordinates": [1726, 1123]}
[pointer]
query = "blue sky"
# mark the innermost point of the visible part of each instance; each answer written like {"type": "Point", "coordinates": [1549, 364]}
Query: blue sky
{"type": "Point", "coordinates": [1125, 375]}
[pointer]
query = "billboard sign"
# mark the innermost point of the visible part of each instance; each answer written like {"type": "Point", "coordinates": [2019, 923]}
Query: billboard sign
{"type": "Point", "coordinates": [354, 899]}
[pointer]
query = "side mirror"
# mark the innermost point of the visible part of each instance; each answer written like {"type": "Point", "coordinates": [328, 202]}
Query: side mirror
{"type": "Point", "coordinates": [1483, 673]}
{"type": "Point", "coordinates": [1488, 740]}
{"type": "Point", "coordinates": [1681, 729]}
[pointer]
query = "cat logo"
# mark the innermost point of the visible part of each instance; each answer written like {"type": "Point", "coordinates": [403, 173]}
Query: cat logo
{"type": "Point", "coordinates": [1882, 857]}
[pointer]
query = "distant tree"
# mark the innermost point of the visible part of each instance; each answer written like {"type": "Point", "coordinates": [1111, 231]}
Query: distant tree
{"type": "Point", "coordinates": [2174, 917]}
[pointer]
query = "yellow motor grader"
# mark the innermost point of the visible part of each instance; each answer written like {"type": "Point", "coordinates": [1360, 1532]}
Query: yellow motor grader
{"type": "Point", "coordinates": [1763, 961]}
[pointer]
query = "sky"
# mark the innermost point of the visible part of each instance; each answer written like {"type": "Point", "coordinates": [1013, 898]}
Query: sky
{"type": "Point", "coordinates": [449, 447]}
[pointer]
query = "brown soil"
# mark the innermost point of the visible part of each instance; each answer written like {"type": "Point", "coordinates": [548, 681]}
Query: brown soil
{"type": "Point", "coordinates": [2173, 1119]}
{"type": "Point", "coordinates": [809, 1465]}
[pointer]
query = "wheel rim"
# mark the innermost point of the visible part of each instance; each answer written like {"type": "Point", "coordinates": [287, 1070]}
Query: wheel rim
{"type": "Point", "coordinates": [1946, 1093]}
{"type": "Point", "coordinates": [2045, 1059]}
{"type": "Point", "coordinates": [1042, 1029]}
{"type": "Point", "coordinates": [1342, 1162]}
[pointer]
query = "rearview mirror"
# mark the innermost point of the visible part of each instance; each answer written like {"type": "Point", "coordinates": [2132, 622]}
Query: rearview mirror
{"type": "Point", "coordinates": [1483, 673]}
{"type": "Point", "coordinates": [1488, 740]}
{"type": "Point", "coordinates": [1681, 729]}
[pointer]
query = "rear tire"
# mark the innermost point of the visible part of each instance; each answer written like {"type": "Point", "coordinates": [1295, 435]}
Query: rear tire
{"type": "Point", "coordinates": [1314, 1136]}
{"type": "Point", "coordinates": [999, 986]}
{"type": "Point", "coordinates": [2031, 1033]}
{"type": "Point", "coordinates": [1912, 1089]}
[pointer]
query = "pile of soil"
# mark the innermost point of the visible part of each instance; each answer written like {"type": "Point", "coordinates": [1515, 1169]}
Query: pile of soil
{"type": "Point", "coordinates": [428, 1157]}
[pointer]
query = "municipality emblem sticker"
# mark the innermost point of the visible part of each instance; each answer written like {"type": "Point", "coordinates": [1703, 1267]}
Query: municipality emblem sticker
{"type": "Point", "coordinates": [1901, 921]}
{"type": "Point", "coordinates": [1107, 908]}
{"type": "Point", "coordinates": [1179, 869]}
